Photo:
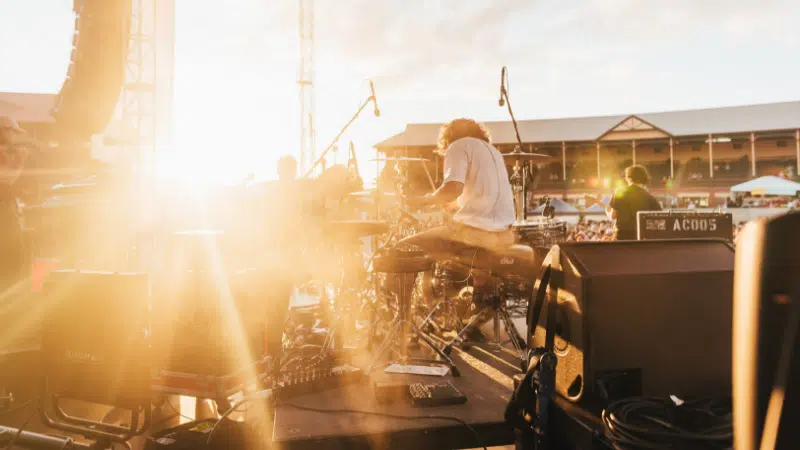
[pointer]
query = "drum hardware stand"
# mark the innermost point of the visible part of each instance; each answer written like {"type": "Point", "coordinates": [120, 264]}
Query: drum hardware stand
{"type": "Point", "coordinates": [398, 333]}
{"type": "Point", "coordinates": [333, 339]}
{"type": "Point", "coordinates": [445, 305]}
{"type": "Point", "coordinates": [499, 314]}
{"type": "Point", "coordinates": [519, 183]}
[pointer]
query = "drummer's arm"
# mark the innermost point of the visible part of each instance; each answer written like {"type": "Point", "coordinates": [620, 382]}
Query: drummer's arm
{"type": "Point", "coordinates": [446, 194]}
{"type": "Point", "coordinates": [456, 163]}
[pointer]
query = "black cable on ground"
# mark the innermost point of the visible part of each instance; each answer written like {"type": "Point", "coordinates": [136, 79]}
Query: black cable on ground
{"type": "Point", "coordinates": [658, 423]}
{"type": "Point", "coordinates": [392, 416]}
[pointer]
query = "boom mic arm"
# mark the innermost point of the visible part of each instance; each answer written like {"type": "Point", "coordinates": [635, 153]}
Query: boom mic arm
{"type": "Point", "coordinates": [504, 99]}
{"type": "Point", "coordinates": [374, 99]}
{"type": "Point", "coordinates": [325, 152]}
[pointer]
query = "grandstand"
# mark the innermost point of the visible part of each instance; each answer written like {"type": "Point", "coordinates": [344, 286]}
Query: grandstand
{"type": "Point", "coordinates": [695, 154]}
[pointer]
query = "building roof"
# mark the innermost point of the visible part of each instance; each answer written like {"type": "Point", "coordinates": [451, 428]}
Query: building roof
{"type": "Point", "coordinates": [27, 108]}
{"type": "Point", "coordinates": [727, 120]}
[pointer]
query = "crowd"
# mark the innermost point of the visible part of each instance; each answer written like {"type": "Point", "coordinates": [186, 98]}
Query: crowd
{"type": "Point", "coordinates": [591, 230]}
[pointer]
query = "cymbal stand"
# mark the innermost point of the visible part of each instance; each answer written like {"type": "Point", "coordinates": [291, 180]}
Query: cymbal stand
{"type": "Point", "coordinates": [342, 305]}
{"type": "Point", "coordinates": [519, 192]}
{"type": "Point", "coordinates": [521, 214]}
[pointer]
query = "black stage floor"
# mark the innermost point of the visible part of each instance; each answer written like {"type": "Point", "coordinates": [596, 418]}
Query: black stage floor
{"type": "Point", "coordinates": [485, 381]}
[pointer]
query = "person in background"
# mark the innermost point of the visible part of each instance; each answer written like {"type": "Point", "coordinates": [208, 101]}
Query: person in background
{"type": "Point", "coordinates": [281, 248]}
{"type": "Point", "coordinates": [12, 161]}
{"type": "Point", "coordinates": [627, 202]}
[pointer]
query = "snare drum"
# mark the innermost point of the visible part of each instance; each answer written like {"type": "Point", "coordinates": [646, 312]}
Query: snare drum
{"type": "Point", "coordinates": [540, 232]}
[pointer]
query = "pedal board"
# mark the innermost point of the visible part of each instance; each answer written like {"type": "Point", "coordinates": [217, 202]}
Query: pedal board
{"type": "Point", "coordinates": [427, 395]}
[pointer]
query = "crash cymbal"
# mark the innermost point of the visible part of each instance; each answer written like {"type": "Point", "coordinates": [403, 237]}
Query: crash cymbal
{"type": "Point", "coordinates": [524, 156]}
{"type": "Point", "coordinates": [400, 159]}
{"type": "Point", "coordinates": [370, 194]}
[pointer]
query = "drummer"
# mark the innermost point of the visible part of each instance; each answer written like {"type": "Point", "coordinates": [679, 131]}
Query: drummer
{"type": "Point", "coordinates": [475, 179]}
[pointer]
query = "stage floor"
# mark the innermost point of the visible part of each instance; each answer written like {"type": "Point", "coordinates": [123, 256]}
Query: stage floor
{"type": "Point", "coordinates": [485, 381]}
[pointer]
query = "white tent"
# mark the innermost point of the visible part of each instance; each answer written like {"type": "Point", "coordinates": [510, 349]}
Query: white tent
{"type": "Point", "coordinates": [560, 206]}
{"type": "Point", "coordinates": [597, 209]}
{"type": "Point", "coordinates": [768, 185]}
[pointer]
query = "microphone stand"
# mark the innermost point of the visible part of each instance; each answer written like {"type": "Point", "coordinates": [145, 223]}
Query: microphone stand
{"type": "Point", "coordinates": [504, 97]}
{"type": "Point", "coordinates": [321, 158]}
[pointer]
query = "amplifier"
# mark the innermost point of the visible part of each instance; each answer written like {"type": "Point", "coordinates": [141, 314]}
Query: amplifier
{"type": "Point", "coordinates": [683, 225]}
{"type": "Point", "coordinates": [211, 323]}
{"type": "Point", "coordinates": [648, 318]}
{"type": "Point", "coordinates": [95, 343]}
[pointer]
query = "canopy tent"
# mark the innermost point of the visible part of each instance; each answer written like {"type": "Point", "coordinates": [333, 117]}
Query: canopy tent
{"type": "Point", "coordinates": [597, 209]}
{"type": "Point", "coordinates": [560, 206]}
{"type": "Point", "coordinates": [768, 185]}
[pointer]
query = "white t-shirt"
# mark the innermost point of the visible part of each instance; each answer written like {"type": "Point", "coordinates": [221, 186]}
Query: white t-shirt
{"type": "Point", "coordinates": [487, 201]}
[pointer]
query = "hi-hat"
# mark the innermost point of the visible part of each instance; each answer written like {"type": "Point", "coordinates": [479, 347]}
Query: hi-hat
{"type": "Point", "coordinates": [524, 156]}
{"type": "Point", "coordinates": [400, 159]}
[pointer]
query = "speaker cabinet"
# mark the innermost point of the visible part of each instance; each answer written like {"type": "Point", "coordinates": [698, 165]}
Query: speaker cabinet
{"type": "Point", "coordinates": [767, 290]}
{"type": "Point", "coordinates": [90, 91]}
{"type": "Point", "coordinates": [95, 338]}
{"type": "Point", "coordinates": [646, 318]}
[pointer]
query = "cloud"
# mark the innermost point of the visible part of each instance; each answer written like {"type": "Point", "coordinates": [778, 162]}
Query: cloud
{"type": "Point", "coordinates": [407, 40]}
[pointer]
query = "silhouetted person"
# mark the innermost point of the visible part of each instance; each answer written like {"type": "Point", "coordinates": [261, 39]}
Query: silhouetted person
{"type": "Point", "coordinates": [627, 202]}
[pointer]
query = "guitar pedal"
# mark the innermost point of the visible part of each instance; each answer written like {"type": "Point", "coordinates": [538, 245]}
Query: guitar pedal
{"type": "Point", "coordinates": [435, 394]}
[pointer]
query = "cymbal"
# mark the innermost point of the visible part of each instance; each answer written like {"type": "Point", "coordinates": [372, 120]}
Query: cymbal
{"type": "Point", "coordinates": [525, 156]}
{"type": "Point", "coordinates": [370, 194]}
{"type": "Point", "coordinates": [400, 159]}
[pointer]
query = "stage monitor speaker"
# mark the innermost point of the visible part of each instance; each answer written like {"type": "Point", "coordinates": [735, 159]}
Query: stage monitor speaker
{"type": "Point", "coordinates": [95, 339]}
{"type": "Point", "coordinates": [766, 342]}
{"type": "Point", "coordinates": [89, 94]}
{"type": "Point", "coordinates": [648, 318]}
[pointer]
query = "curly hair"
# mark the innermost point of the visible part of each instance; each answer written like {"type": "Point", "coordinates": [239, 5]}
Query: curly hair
{"type": "Point", "coordinates": [460, 128]}
{"type": "Point", "coordinates": [637, 174]}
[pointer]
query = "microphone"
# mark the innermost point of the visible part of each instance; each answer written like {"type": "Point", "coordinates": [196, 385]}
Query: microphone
{"type": "Point", "coordinates": [374, 99]}
{"type": "Point", "coordinates": [502, 100]}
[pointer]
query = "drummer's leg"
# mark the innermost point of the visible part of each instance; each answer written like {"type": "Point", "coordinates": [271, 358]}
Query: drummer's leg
{"type": "Point", "coordinates": [437, 242]}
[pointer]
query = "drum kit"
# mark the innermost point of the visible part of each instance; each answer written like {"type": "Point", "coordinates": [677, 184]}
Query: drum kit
{"type": "Point", "coordinates": [407, 298]}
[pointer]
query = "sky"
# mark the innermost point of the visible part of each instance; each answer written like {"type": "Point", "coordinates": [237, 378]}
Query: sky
{"type": "Point", "coordinates": [236, 67]}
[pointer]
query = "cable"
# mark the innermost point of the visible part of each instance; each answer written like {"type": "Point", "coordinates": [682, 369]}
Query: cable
{"type": "Point", "coordinates": [657, 423]}
{"type": "Point", "coordinates": [266, 394]}
{"type": "Point", "coordinates": [391, 416]}
{"type": "Point", "coordinates": [19, 431]}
